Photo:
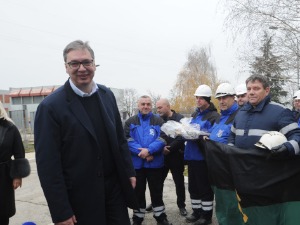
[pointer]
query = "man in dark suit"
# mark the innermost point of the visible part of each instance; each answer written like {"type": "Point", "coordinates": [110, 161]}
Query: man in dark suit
{"type": "Point", "coordinates": [82, 156]}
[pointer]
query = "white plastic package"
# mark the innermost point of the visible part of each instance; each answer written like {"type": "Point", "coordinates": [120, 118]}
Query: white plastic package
{"type": "Point", "coordinates": [185, 128]}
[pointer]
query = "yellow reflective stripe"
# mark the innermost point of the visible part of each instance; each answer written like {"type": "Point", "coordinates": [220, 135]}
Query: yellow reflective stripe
{"type": "Point", "coordinates": [245, 217]}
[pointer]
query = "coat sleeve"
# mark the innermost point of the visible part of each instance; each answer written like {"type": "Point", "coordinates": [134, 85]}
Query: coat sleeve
{"type": "Point", "coordinates": [231, 138]}
{"type": "Point", "coordinates": [18, 147]}
{"type": "Point", "coordinates": [289, 127]}
{"type": "Point", "coordinates": [19, 167]}
{"type": "Point", "coordinates": [132, 143]}
{"type": "Point", "coordinates": [47, 140]}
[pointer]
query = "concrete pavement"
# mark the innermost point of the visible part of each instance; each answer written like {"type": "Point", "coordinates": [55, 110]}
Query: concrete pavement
{"type": "Point", "coordinates": [32, 206]}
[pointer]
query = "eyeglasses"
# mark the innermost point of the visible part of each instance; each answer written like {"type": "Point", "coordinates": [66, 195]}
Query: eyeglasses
{"type": "Point", "coordinates": [76, 65]}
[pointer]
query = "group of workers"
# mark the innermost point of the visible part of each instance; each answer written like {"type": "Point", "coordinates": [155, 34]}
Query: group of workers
{"type": "Point", "coordinates": [246, 113]}
{"type": "Point", "coordinates": [92, 169]}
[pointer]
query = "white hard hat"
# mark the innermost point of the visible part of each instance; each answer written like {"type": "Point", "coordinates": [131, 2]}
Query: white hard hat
{"type": "Point", "coordinates": [270, 140]}
{"type": "Point", "coordinates": [297, 95]}
{"type": "Point", "coordinates": [241, 89]}
{"type": "Point", "coordinates": [224, 89]}
{"type": "Point", "coordinates": [203, 91]}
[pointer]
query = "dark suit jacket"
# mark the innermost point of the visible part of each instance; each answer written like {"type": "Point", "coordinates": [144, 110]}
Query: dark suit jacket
{"type": "Point", "coordinates": [68, 160]}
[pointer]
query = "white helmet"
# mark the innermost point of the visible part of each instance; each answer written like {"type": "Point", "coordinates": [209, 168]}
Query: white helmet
{"type": "Point", "coordinates": [241, 89]}
{"type": "Point", "coordinates": [270, 140]}
{"type": "Point", "coordinates": [203, 91]}
{"type": "Point", "coordinates": [224, 89]}
{"type": "Point", "coordinates": [297, 95]}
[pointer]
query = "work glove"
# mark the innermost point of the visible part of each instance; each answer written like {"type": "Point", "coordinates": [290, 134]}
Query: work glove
{"type": "Point", "coordinates": [279, 152]}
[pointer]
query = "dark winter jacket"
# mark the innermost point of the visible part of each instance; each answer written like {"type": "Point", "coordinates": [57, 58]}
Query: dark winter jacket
{"type": "Point", "coordinates": [251, 123]}
{"type": "Point", "coordinates": [175, 157]}
{"type": "Point", "coordinates": [10, 145]}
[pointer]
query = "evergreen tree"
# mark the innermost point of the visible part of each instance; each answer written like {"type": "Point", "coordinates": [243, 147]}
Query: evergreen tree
{"type": "Point", "coordinates": [270, 65]}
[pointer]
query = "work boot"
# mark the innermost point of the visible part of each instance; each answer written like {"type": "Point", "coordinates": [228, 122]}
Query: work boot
{"type": "Point", "coordinates": [164, 222]}
{"type": "Point", "coordinates": [203, 221]}
{"type": "Point", "coordinates": [192, 218]}
{"type": "Point", "coordinates": [149, 208]}
{"type": "Point", "coordinates": [182, 211]}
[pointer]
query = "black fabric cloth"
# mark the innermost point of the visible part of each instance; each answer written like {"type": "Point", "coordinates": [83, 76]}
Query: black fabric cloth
{"type": "Point", "coordinates": [70, 168]}
{"type": "Point", "coordinates": [116, 210]}
{"type": "Point", "coordinates": [11, 146]}
{"type": "Point", "coordinates": [4, 221]}
{"type": "Point", "coordinates": [258, 180]}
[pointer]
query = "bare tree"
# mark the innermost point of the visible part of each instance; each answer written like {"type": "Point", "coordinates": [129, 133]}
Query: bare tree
{"type": "Point", "coordinates": [199, 69]}
{"type": "Point", "coordinates": [130, 101]}
{"type": "Point", "coordinates": [254, 16]}
{"type": "Point", "coordinates": [154, 97]}
{"type": "Point", "coordinates": [250, 19]}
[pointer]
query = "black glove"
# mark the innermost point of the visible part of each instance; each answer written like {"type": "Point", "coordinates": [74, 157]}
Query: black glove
{"type": "Point", "coordinates": [279, 152]}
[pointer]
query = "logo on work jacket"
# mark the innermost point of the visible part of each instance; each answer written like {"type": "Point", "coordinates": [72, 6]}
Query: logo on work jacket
{"type": "Point", "coordinates": [152, 132]}
{"type": "Point", "coordinates": [220, 133]}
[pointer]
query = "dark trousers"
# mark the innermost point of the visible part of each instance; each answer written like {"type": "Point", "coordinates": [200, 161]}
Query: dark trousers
{"type": "Point", "coordinates": [154, 177]}
{"type": "Point", "coordinates": [116, 209]}
{"type": "Point", "coordinates": [175, 164]}
{"type": "Point", "coordinates": [4, 221]}
{"type": "Point", "coordinates": [200, 190]}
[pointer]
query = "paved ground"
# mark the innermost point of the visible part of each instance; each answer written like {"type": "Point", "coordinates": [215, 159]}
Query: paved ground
{"type": "Point", "coordinates": [31, 204]}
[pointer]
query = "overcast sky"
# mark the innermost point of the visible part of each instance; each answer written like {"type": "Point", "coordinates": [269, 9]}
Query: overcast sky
{"type": "Point", "coordinates": [138, 44]}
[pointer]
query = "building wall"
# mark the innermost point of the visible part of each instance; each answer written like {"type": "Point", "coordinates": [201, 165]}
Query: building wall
{"type": "Point", "coordinates": [5, 99]}
{"type": "Point", "coordinates": [24, 102]}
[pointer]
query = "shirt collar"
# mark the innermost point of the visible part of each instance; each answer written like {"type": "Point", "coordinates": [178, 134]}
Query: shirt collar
{"type": "Point", "coordinates": [80, 92]}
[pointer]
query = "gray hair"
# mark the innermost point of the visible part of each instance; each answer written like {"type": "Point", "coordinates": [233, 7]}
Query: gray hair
{"type": "Point", "coordinates": [77, 45]}
{"type": "Point", "coordinates": [260, 78]}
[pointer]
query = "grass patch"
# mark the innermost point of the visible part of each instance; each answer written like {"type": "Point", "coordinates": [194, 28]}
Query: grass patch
{"type": "Point", "coordinates": [29, 146]}
{"type": "Point", "coordinates": [185, 172]}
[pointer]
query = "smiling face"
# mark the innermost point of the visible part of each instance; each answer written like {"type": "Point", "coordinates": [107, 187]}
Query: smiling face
{"type": "Point", "coordinates": [82, 76]}
{"type": "Point", "coordinates": [242, 99]}
{"type": "Point", "coordinates": [256, 92]}
{"type": "Point", "coordinates": [145, 105]}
